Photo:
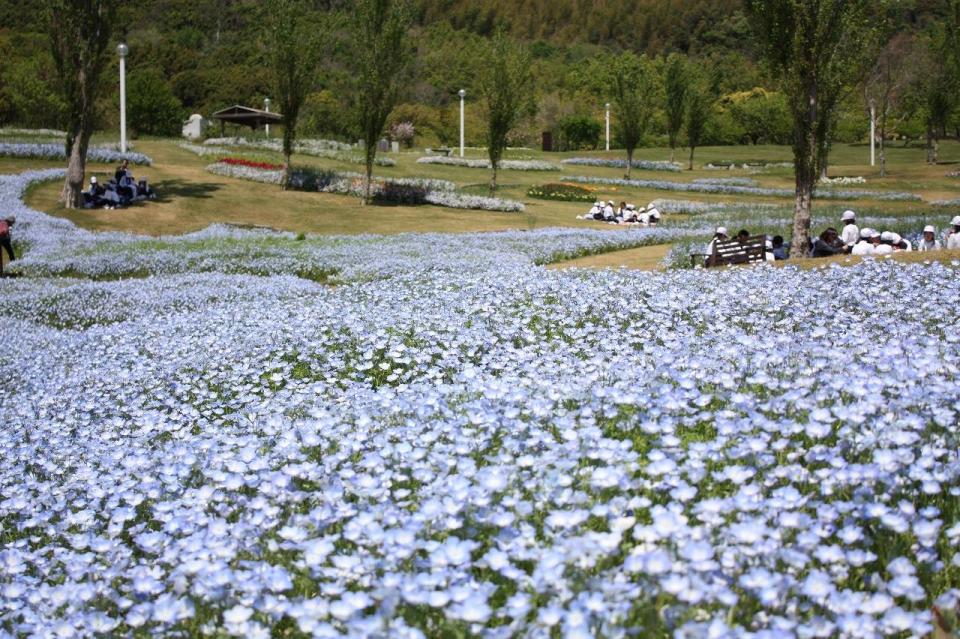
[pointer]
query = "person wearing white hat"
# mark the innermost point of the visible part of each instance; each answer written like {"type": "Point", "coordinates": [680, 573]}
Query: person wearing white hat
{"type": "Point", "coordinates": [885, 247]}
{"type": "Point", "coordinates": [865, 245]}
{"type": "Point", "coordinates": [953, 237]}
{"type": "Point", "coordinates": [899, 243]}
{"type": "Point", "coordinates": [929, 241]}
{"type": "Point", "coordinates": [595, 213]}
{"type": "Point", "coordinates": [719, 236]}
{"type": "Point", "coordinates": [851, 232]}
{"type": "Point", "coordinates": [653, 215]}
{"type": "Point", "coordinates": [93, 197]}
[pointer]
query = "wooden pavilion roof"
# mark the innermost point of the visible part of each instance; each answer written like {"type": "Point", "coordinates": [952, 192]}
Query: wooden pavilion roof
{"type": "Point", "coordinates": [247, 116]}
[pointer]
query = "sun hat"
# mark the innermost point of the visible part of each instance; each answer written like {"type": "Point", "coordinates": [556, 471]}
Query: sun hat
{"type": "Point", "coordinates": [93, 179]}
{"type": "Point", "coordinates": [721, 230]}
{"type": "Point", "coordinates": [867, 233]}
{"type": "Point", "coordinates": [886, 236]}
{"type": "Point", "coordinates": [848, 215]}
{"type": "Point", "coordinates": [955, 221]}
{"type": "Point", "coordinates": [895, 237]}
{"type": "Point", "coordinates": [929, 229]}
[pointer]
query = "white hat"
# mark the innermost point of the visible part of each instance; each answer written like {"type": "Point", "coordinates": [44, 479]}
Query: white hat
{"type": "Point", "coordinates": [867, 233]}
{"type": "Point", "coordinates": [955, 221]}
{"type": "Point", "coordinates": [653, 211]}
{"type": "Point", "coordinates": [895, 237]}
{"type": "Point", "coordinates": [886, 236]}
{"type": "Point", "coordinates": [599, 203]}
{"type": "Point", "coordinates": [848, 215]}
{"type": "Point", "coordinates": [929, 229]}
{"type": "Point", "coordinates": [631, 207]}
{"type": "Point", "coordinates": [610, 202]}
{"type": "Point", "coordinates": [93, 179]}
{"type": "Point", "coordinates": [721, 230]}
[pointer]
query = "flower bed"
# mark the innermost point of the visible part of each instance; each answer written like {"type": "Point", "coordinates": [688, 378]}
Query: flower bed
{"type": "Point", "coordinates": [842, 181]}
{"type": "Point", "coordinates": [234, 161]}
{"type": "Point", "coordinates": [409, 191]}
{"type": "Point", "coordinates": [732, 189]}
{"type": "Point", "coordinates": [103, 154]}
{"type": "Point", "coordinates": [329, 149]}
{"type": "Point", "coordinates": [747, 164]}
{"type": "Point", "coordinates": [619, 163]}
{"type": "Point", "coordinates": [561, 193]}
{"type": "Point", "coordinates": [477, 163]}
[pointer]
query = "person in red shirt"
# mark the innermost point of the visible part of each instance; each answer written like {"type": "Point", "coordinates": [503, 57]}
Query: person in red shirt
{"type": "Point", "coordinates": [5, 242]}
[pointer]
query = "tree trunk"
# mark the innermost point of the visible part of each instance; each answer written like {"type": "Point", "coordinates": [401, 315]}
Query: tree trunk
{"type": "Point", "coordinates": [929, 144]}
{"type": "Point", "coordinates": [883, 155]}
{"type": "Point", "coordinates": [692, 148]}
{"type": "Point", "coordinates": [286, 171]}
{"type": "Point", "coordinates": [673, 152]}
{"type": "Point", "coordinates": [629, 161]}
{"type": "Point", "coordinates": [71, 195]}
{"type": "Point", "coordinates": [801, 220]}
{"type": "Point", "coordinates": [493, 177]}
{"type": "Point", "coordinates": [368, 182]}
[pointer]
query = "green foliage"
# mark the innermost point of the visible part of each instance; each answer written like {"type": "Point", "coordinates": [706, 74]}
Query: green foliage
{"type": "Point", "coordinates": [152, 107]}
{"type": "Point", "coordinates": [579, 132]}
{"type": "Point", "coordinates": [763, 115]}
{"type": "Point", "coordinates": [697, 110]}
{"type": "Point", "coordinates": [379, 54]}
{"type": "Point", "coordinates": [294, 59]}
{"type": "Point", "coordinates": [505, 85]}
{"type": "Point", "coordinates": [676, 82]}
{"type": "Point", "coordinates": [632, 87]}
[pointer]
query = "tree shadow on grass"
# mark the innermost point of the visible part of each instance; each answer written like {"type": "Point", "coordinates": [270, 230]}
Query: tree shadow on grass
{"type": "Point", "coordinates": [168, 190]}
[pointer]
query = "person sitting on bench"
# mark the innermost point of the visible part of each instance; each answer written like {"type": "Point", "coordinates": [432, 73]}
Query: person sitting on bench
{"type": "Point", "coordinates": [719, 236]}
{"type": "Point", "coordinates": [779, 250]}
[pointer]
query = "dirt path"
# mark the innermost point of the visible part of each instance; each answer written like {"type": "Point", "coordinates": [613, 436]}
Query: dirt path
{"type": "Point", "coordinates": [645, 258]}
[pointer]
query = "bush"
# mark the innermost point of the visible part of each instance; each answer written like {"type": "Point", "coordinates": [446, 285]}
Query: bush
{"type": "Point", "coordinates": [578, 132]}
{"type": "Point", "coordinates": [561, 193]}
{"type": "Point", "coordinates": [400, 194]}
{"type": "Point", "coordinates": [153, 108]}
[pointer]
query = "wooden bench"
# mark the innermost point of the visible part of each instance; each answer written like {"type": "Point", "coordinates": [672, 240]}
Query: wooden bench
{"type": "Point", "coordinates": [441, 151]}
{"type": "Point", "coordinates": [753, 250]}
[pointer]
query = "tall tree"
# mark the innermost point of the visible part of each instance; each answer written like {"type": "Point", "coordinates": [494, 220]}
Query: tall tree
{"type": "Point", "coordinates": [79, 33]}
{"type": "Point", "coordinates": [675, 87]}
{"type": "Point", "coordinates": [294, 56]}
{"type": "Point", "coordinates": [379, 54]}
{"type": "Point", "coordinates": [697, 110]}
{"type": "Point", "coordinates": [816, 48]}
{"type": "Point", "coordinates": [631, 79]}
{"type": "Point", "coordinates": [505, 84]}
{"type": "Point", "coordinates": [884, 90]}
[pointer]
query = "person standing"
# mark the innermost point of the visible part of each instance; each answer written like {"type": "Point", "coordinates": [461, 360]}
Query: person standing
{"type": "Point", "coordinates": [6, 243]}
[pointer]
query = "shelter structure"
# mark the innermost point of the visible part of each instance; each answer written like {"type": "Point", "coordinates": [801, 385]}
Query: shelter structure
{"type": "Point", "coordinates": [246, 116]}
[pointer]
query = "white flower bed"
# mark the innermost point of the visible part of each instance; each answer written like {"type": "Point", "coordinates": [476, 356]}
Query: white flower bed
{"type": "Point", "coordinates": [471, 444]}
{"type": "Point", "coordinates": [39, 133]}
{"type": "Point", "coordinates": [437, 192]}
{"type": "Point", "coordinates": [106, 154]}
{"type": "Point", "coordinates": [476, 163]}
{"type": "Point", "coordinates": [733, 189]}
{"type": "Point", "coordinates": [329, 149]}
{"type": "Point", "coordinates": [843, 181]}
{"type": "Point", "coordinates": [204, 150]}
{"type": "Point", "coordinates": [644, 165]}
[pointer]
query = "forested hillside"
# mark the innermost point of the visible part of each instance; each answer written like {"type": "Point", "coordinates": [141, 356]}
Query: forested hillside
{"type": "Point", "coordinates": [201, 55]}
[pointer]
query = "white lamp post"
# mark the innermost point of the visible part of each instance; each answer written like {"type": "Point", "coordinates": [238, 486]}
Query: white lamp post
{"type": "Point", "coordinates": [462, 94]}
{"type": "Point", "coordinates": [873, 133]}
{"type": "Point", "coordinates": [607, 106]}
{"type": "Point", "coordinates": [266, 107]}
{"type": "Point", "coordinates": [122, 51]}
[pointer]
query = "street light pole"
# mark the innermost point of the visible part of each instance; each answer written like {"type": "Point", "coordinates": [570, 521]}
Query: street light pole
{"type": "Point", "coordinates": [607, 106]}
{"type": "Point", "coordinates": [266, 107]}
{"type": "Point", "coordinates": [873, 133]}
{"type": "Point", "coordinates": [462, 94]}
{"type": "Point", "coordinates": [122, 51]}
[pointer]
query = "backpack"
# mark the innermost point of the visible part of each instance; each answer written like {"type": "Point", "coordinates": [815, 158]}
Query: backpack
{"type": "Point", "coordinates": [4, 228]}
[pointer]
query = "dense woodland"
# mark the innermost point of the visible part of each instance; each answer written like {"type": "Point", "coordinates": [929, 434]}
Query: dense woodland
{"type": "Point", "coordinates": [198, 56]}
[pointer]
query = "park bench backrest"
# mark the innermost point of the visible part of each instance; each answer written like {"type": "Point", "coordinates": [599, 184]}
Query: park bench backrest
{"type": "Point", "coordinates": [733, 252]}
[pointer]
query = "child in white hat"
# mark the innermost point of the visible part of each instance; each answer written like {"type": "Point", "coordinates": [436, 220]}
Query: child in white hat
{"type": "Point", "coordinates": [929, 241]}
{"type": "Point", "coordinates": [953, 237]}
{"type": "Point", "coordinates": [851, 232]}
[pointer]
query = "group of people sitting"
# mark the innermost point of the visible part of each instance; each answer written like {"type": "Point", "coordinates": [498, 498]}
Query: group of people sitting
{"type": "Point", "coordinates": [623, 214]}
{"type": "Point", "coordinates": [852, 240]}
{"type": "Point", "coordinates": [118, 192]}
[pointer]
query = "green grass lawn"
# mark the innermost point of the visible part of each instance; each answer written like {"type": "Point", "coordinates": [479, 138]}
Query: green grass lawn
{"type": "Point", "coordinates": [191, 198]}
